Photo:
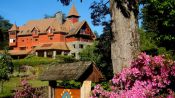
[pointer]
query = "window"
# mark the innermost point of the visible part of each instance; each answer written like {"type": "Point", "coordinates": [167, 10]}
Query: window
{"type": "Point", "coordinates": [50, 30]}
{"type": "Point", "coordinates": [50, 38]}
{"type": "Point", "coordinates": [33, 47]}
{"type": "Point", "coordinates": [12, 40]}
{"type": "Point", "coordinates": [35, 32]}
{"type": "Point", "coordinates": [22, 48]}
{"type": "Point", "coordinates": [82, 31]}
{"type": "Point", "coordinates": [74, 45]}
{"type": "Point", "coordinates": [73, 54]}
{"type": "Point", "coordinates": [36, 39]}
{"type": "Point", "coordinates": [81, 46]}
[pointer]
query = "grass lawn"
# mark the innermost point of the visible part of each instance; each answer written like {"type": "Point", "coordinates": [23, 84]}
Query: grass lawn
{"type": "Point", "coordinates": [14, 82]}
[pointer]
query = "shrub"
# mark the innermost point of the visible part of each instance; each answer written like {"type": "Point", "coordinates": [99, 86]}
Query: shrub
{"type": "Point", "coordinates": [25, 90]}
{"type": "Point", "coordinates": [65, 58]}
{"type": "Point", "coordinates": [147, 77]}
{"type": "Point", "coordinates": [32, 61]}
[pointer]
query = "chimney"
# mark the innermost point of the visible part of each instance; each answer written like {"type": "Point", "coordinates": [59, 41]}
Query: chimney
{"type": "Point", "coordinates": [59, 16]}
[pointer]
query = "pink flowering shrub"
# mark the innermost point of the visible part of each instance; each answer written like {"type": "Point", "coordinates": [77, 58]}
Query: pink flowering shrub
{"type": "Point", "coordinates": [26, 91]}
{"type": "Point", "coordinates": [147, 77]}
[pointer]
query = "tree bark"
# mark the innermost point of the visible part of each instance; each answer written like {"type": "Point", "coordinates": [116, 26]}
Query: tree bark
{"type": "Point", "coordinates": [125, 43]}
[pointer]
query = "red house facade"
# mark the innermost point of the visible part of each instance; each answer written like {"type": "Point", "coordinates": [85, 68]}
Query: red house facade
{"type": "Point", "coordinates": [52, 36]}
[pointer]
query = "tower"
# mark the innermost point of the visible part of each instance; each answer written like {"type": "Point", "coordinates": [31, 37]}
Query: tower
{"type": "Point", "coordinates": [12, 35]}
{"type": "Point", "coordinates": [73, 15]}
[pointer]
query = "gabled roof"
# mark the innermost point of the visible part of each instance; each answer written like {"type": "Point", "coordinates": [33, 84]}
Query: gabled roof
{"type": "Point", "coordinates": [73, 12]}
{"type": "Point", "coordinates": [14, 27]}
{"type": "Point", "coordinates": [35, 28]}
{"type": "Point", "coordinates": [72, 71]}
{"type": "Point", "coordinates": [76, 27]}
{"type": "Point", "coordinates": [42, 25]}
{"type": "Point", "coordinates": [19, 52]}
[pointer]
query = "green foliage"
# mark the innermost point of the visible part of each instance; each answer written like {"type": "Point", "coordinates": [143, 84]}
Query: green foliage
{"type": "Point", "coordinates": [69, 84]}
{"type": "Point", "coordinates": [5, 68]}
{"type": "Point", "coordinates": [89, 54]}
{"type": "Point", "coordinates": [11, 85]}
{"type": "Point", "coordinates": [105, 85]}
{"type": "Point", "coordinates": [65, 58]}
{"type": "Point", "coordinates": [166, 53]}
{"type": "Point", "coordinates": [158, 17]}
{"type": "Point", "coordinates": [104, 49]}
{"type": "Point", "coordinates": [146, 41]}
{"type": "Point", "coordinates": [32, 61]}
{"type": "Point", "coordinates": [5, 25]}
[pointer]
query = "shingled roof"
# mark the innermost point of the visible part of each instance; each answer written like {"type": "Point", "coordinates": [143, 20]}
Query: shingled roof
{"type": "Point", "coordinates": [14, 27]}
{"type": "Point", "coordinates": [73, 12]}
{"type": "Point", "coordinates": [19, 52]}
{"type": "Point", "coordinates": [55, 45]}
{"type": "Point", "coordinates": [70, 71]}
{"type": "Point", "coordinates": [42, 25]}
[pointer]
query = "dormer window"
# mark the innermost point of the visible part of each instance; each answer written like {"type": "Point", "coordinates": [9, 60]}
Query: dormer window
{"type": "Point", "coordinates": [50, 30]}
{"type": "Point", "coordinates": [35, 31]}
{"type": "Point", "coordinates": [82, 31]}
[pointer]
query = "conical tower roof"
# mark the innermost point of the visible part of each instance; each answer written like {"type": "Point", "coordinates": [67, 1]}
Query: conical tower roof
{"type": "Point", "coordinates": [73, 12]}
{"type": "Point", "coordinates": [14, 28]}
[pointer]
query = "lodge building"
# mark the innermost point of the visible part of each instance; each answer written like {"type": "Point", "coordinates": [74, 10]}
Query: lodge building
{"type": "Point", "coordinates": [51, 36]}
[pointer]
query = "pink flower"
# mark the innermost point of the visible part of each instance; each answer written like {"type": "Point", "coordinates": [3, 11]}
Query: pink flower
{"type": "Point", "coordinates": [145, 78]}
{"type": "Point", "coordinates": [158, 60]}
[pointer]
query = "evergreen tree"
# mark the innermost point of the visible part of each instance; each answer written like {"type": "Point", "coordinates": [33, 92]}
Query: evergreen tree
{"type": "Point", "coordinates": [158, 21]}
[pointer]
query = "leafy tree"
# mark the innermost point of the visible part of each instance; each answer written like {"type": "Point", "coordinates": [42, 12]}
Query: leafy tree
{"type": "Point", "coordinates": [6, 68]}
{"type": "Point", "coordinates": [96, 34]}
{"type": "Point", "coordinates": [125, 42]}
{"type": "Point", "coordinates": [5, 25]}
{"type": "Point", "coordinates": [89, 54]}
{"type": "Point", "coordinates": [104, 48]}
{"type": "Point", "coordinates": [147, 43]}
{"type": "Point", "coordinates": [158, 19]}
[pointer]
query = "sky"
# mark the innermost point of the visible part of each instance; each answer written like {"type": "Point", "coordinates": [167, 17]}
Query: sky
{"type": "Point", "coordinates": [20, 12]}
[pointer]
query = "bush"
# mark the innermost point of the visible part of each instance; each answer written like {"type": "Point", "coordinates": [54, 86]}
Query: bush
{"type": "Point", "coordinates": [69, 84]}
{"type": "Point", "coordinates": [32, 61]}
{"type": "Point", "coordinates": [147, 77]}
{"type": "Point", "coordinates": [65, 58]}
{"type": "Point", "coordinates": [25, 90]}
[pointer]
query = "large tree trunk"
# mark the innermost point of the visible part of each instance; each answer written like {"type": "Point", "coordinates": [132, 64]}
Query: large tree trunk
{"type": "Point", "coordinates": [125, 44]}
